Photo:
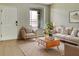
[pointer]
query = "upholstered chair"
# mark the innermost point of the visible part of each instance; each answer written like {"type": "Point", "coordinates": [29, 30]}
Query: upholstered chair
{"type": "Point", "coordinates": [25, 34]}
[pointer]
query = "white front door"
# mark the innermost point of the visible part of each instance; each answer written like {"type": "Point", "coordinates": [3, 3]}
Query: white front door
{"type": "Point", "coordinates": [9, 28]}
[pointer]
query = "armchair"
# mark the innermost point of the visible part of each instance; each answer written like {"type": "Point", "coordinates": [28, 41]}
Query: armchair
{"type": "Point", "coordinates": [25, 34]}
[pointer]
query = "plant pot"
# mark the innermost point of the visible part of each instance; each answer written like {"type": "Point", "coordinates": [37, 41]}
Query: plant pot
{"type": "Point", "coordinates": [50, 35]}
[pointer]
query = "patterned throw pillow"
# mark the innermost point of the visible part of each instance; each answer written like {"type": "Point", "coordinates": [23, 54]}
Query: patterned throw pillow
{"type": "Point", "coordinates": [74, 32]}
{"type": "Point", "coordinates": [77, 34]}
{"type": "Point", "coordinates": [68, 30]}
{"type": "Point", "coordinates": [59, 29]}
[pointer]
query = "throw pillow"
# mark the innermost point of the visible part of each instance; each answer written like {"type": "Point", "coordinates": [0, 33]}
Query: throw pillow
{"type": "Point", "coordinates": [59, 29]}
{"type": "Point", "coordinates": [74, 32]}
{"type": "Point", "coordinates": [78, 34]}
{"type": "Point", "coordinates": [68, 30]}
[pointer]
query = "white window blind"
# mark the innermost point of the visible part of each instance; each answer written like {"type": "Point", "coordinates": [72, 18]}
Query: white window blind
{"type": "Point", "coordinates": [34, 19]}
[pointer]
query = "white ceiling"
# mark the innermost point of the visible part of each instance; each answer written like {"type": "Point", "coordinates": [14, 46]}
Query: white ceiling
{"type": "Point", "coordinates": [47, 3]}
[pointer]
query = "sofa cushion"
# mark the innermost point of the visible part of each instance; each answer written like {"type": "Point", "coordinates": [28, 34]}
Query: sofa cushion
{"type": "Point", "coordinates": [30, 35]}
{"type": "Point", "coordinates": [63, 36]}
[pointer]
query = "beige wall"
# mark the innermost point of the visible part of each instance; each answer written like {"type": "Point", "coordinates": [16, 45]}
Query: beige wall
{"type": "Point", "coordinates": [60, 13]}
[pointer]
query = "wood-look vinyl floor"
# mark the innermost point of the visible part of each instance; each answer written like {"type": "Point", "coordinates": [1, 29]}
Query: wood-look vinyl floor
{"type": "Point", "coordinates": [10, 48]}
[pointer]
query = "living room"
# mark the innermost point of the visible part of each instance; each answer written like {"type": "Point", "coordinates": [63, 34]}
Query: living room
{"type": "Point", "coordinates": [58, 13]}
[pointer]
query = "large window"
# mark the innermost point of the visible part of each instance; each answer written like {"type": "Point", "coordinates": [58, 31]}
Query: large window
{"type": "Point", "coordinates": [34, 16]}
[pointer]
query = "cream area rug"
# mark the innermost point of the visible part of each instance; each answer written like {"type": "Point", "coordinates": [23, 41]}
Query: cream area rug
{"type": "Point", "coordinates": [31, 48]}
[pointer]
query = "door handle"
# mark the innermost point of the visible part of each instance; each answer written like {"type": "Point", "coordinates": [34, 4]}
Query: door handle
{"type": "Point", "coordinates": [16, 23]}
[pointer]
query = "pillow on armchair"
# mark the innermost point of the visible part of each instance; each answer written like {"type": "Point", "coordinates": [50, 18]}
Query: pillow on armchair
{"type": "Point", "coordinates": [29, 29]}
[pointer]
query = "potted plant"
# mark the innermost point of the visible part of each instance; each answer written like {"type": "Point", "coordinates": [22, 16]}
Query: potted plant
{"type": "Point", "coordinates": [49, 28]}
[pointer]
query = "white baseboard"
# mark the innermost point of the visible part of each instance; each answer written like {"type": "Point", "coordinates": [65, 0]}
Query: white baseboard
{"type": "Point", "coordinates": [8, 39]}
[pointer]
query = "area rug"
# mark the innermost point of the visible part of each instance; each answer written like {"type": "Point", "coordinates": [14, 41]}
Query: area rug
{"type": "Point", "coordinates": [31, 48]}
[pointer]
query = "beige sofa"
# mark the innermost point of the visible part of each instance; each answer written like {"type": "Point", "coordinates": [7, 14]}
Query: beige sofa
{"type": "Point", "coordinates": [72, 38]}
{"type": "Point", "coordinates": [71, 50]}
{"type": "Point", "coordinates": [67, 38]}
